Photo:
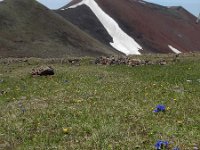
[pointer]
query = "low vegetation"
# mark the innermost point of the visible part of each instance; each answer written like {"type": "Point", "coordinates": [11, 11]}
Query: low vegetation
{"type": "Point", "coordinates": [91, 106]}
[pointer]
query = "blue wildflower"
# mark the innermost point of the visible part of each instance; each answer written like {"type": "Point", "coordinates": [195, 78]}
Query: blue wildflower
{"type": "Point", "coordinates": [161, 145]}
{"type": "Point", "coordinates": [159, 108]}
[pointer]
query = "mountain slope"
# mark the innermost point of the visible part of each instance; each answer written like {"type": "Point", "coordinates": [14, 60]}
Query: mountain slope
{"type": "Point", "coordinates": [155, 28]}
{"type": "Point", "coordinates": [88, 22]}
{"type": "Point", "coordinates": [28, 29]}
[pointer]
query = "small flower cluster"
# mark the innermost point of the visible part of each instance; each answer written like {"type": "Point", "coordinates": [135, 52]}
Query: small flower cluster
{"type": "Point", "coordinates": [160, 108]}
{"type": "Point", "coordinates": [66, 130]}
{"type": "Point", "coordinates": [161, 145]}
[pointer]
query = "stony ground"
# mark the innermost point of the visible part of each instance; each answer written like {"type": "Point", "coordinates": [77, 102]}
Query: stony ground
{"type": "Point", "coordinates": [91, 106]}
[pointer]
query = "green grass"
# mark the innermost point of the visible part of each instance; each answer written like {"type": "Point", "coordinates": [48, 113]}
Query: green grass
{"type": "Point", "coordinates": [104, 107]}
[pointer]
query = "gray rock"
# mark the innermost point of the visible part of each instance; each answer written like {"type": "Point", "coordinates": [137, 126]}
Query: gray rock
{"type": "Point", "coordinates": [134, 62]}
{"type": "Point", "coordinates": [74, 61]}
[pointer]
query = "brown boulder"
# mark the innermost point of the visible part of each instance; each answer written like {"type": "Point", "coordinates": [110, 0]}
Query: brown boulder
{"type": "Point", "coordinates": [43, 71]}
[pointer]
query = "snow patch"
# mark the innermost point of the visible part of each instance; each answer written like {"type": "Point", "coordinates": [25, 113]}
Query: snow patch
{"type": "Point", "coordinates": [141, 2]}
{"type": "Point", "coordinates": [121, 41]}
{"type": "Point", "coordinates": [174, 49]}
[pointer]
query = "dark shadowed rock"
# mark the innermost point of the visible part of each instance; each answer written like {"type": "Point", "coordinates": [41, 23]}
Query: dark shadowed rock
{"type": "Point", "coordinates": [43, 71]}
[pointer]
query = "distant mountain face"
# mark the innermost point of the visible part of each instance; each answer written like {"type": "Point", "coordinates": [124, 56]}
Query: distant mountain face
{"type": "Point", "coordinates": [135, 26]}
{"type": "Point", "coordinates": [28, 29]}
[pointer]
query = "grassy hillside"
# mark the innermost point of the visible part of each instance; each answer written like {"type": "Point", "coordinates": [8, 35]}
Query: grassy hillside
{"type": "Point", "coordinates": [99, 107]}
{"type": "Point", "coordinates": [28, 29]}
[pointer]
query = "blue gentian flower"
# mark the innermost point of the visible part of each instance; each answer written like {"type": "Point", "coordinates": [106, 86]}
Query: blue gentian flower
{"type": "Point", "coordinates": [161, 145]}
{"type": "Point", "coordinates": [159, 108]}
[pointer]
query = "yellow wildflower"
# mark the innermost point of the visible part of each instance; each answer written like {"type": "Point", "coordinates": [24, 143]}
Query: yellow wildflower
{"type": "Point", "coordinates": [66, 130]}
